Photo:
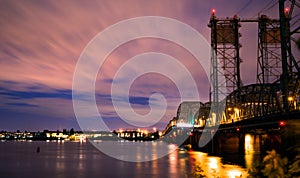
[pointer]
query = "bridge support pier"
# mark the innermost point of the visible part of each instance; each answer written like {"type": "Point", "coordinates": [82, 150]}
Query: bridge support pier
{"type": "Point", "coordinates": [230, 143]}
{"type": "Point", "coordinates": [221, 143]}
{"type": "Point", "coordinates": [241, 143]}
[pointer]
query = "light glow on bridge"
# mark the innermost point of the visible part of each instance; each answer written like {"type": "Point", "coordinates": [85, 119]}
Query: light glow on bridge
{"type": "Point", "coordinates": [184, 125]}
{"type": "Point", "coordinates": [282, 123]}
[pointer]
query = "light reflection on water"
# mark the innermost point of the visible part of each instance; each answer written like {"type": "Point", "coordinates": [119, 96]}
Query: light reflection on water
{"type": "Point", "coordinates": [252, 150]}
{"type": "Point", "coordinates": [70, 159]}
{"type": "Point", "coordinates": [212, 166]}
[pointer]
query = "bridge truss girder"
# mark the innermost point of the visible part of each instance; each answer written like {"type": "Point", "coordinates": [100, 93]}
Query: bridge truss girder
{"type": "Point", "coordinates": [258, 100]}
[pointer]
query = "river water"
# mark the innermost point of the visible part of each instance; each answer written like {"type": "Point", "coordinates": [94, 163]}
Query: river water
{"type": "Point", "coordinates": [81, 159]}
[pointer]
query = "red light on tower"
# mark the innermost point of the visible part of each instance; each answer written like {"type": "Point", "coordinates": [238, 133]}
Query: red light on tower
{"type": "Point", "coordinates": [213, 11]}
{"type": "Point", "coordinates": [286, 10]}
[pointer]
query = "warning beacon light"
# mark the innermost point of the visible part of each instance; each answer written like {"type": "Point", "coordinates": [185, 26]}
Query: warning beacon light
{"type": "Point", "coordinates": [286, 10]}
{"type": "Point", "coordinates": [282, 123]}
{"type": "Point", "coordinates": [213, 11]}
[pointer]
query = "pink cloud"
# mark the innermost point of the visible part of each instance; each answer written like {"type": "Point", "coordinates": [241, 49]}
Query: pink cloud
{"type": "Point", "coordinates": [41, 42]}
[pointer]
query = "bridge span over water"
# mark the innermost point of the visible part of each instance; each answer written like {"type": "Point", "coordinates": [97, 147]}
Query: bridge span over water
{"type": "Point", "coordinates": [268, 109]}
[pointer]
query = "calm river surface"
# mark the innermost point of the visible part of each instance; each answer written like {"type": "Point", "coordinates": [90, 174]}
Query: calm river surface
{"type": "Point", "coordinates": [75, 159]}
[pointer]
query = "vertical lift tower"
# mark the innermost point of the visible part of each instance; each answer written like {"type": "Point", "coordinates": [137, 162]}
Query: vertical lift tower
{"type": "Point", "coordinates": [225, 60]}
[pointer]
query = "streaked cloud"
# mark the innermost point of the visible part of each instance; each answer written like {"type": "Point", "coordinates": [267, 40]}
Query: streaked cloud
{"type": "Point", "coordinates": [41, 42]}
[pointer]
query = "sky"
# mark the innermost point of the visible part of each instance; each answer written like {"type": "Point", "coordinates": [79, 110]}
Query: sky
{"type": "Point", "coordinates": [42, 41]}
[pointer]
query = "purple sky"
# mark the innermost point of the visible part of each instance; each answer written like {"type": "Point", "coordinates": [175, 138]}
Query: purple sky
{"type": "Point", "coordinates": [41, 42]}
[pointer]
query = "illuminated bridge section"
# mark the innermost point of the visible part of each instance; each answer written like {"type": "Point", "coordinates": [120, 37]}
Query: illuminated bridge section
{"type": "Point", "coordinates": [253, 101]}
{"type": "Point", "coordinates": [259, 100]}
{"type": "Point", "coordinates": [187, 113]}
{"type": "Point", "coordinates": [187, 116]}
{"type": "Point", "coordinates": [262, 102]}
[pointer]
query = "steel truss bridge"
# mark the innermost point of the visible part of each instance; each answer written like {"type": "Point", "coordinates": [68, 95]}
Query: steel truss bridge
{"type": "Point", "coordinates": [275, 95]}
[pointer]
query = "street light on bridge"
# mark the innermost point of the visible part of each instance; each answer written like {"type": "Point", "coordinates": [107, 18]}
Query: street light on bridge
{"type": "Point", "coordinates": [290, 98]}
